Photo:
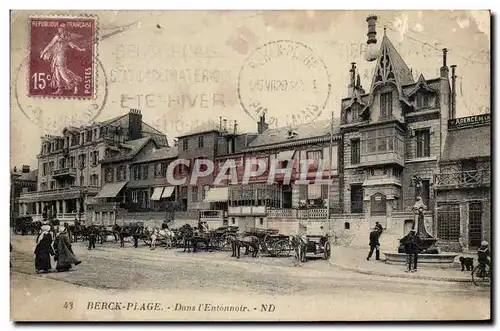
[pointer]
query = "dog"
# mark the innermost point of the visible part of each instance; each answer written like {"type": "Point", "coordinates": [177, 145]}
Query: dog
{"type": "Point", "coordinates": [467, 263]}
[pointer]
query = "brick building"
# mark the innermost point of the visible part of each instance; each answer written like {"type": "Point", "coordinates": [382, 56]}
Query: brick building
{"type": "Point", "coordinates": [463, 185]}
{"type": "Point", "coordinates": [21, 181]}
{"type": "Point", "coordinates": [69, 165]}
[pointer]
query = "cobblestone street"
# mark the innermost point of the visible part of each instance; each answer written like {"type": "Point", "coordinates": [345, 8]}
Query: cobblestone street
{"type": "Point", "coordinates": [119, 272]}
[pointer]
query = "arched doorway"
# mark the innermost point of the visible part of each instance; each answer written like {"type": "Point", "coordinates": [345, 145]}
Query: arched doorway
{"type": "Point", "coordinates": [407, 227]}
{"type": "Point", "coordinates": [378, 204]}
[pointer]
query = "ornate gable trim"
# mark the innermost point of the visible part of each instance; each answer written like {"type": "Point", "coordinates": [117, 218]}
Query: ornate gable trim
{"type": "Point", "coordinates": [421, 85]}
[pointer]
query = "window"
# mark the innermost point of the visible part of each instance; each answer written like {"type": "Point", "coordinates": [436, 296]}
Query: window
{"type": "Point", "coordinates": [44, 171]}
{"type": "Point", "coordinates": [89, 136]}
{"type": "Point", "coordinates": [315, 157]}
{"type": "Point", "coordinates": [94, 157]}
{"type": "Point", "coordinates": [185, 144]}
{"type": "Point", "coordinates": [137, 172]}
{"type": "Point", "coordinates": [378, 204]}
{"type": "Point", "coordinates": [386, 104]}
{"type": "Point", "coordinates": [52, 185]}
{"type": "Point", "coordinates": [134, 196]}
{"type": "Point", "coordinates": [347, 226]}
{"type": "Point", "coordinates": [423, 100]}
{"type": "Point", "coordinates": [200, 142]}
{"type": "Point", "coordinates": [145, 169]}
{"type": "Point", "coordinates": [164, 166]}
{"type": "Point", "coordinates": [82, 160]}
{"type": "Point", "coordinates": [233, 220]}
{"type": "Point", "coordinates": [158, 169]}
{"type": "Point", "coordinates": [303, 192]}
{"type": "Point", "coordinates": [423, 142]}
{"type": "Point", "coordinates": [94, 180]}
{"type": "Point", "coordinates": [355, 151]}
{"type": "Point", "coordinates": [261, 221]}
{"type": "Point", "coordinates": [356, 198]}
{"type": "Point", "coordinates": [121, 174]}
{"type": "Point", "coordinates": [448, 219]}
{"type": "Point", "coordinates": [108, 175]}
{"type": "Point", "coordinates": [194, 194]}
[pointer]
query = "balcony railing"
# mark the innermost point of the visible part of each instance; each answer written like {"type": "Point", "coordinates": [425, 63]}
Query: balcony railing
{"type": "Point", "coordinates": [247, 210]}
{"type": "Point", "coordinates": [69, 192]}
{"type": "Point", "coordinates": [68, 171]}
{"type": "Point", "coordinates": [212, 214]}
{"type": "Point", "coordinates": [463, 179]}
{"type": "Point", "coordinates": [298, 213]}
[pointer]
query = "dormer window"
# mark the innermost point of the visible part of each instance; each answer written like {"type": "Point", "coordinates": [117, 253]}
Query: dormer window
{"type": "Point", "coordinates": [423, 100]}
{"type": "Point", "coordinates": [386, 104]}
{"type": "Point", "coordinates": [291, 134]}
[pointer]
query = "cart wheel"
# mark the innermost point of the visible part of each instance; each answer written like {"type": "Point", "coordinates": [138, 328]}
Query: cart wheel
{"type": "Point", "coordinates": [281, 248]}
{"type": "Point", "coordinates": [327, 250]}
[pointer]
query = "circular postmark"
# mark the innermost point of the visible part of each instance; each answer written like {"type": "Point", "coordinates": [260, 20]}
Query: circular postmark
{"type": "Point", "coordinates": [52, 115]}
{"type": "Point", "coordinates": [286, 80]}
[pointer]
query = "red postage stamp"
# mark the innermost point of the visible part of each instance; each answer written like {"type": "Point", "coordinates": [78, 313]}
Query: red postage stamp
{"type": "Point", "coordinates": [62, 54]}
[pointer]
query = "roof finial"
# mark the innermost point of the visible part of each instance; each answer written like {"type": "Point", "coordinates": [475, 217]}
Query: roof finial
{"type": "Point", "coordinates": [385, 30]}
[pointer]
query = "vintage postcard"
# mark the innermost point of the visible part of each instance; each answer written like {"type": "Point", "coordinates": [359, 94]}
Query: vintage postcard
{"type": "Point", "coordinates": [250, 166]}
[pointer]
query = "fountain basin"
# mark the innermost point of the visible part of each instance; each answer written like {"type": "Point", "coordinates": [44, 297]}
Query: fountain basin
{"type": "Point", "coordinates": [441, 260]}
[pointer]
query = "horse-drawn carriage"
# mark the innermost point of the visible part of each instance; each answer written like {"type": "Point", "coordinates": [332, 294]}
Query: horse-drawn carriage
{"type": "Point", "coordinates": [271, 241]}
{"type": "Point", "coordinates": [319, 244]}
{"type": "Point", "coordinates": [24, 225]}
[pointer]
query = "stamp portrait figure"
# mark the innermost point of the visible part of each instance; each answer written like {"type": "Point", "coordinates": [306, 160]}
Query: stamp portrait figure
{"type": "Point", "coordinates": [62, 57]}
{"type": "Point", "coordinates": [56, 52]}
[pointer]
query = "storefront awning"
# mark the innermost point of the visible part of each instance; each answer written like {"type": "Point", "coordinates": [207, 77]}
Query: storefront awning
{"type": "Point", "coordinates": [110, 190]}
{"type": "Point", "coordinates": [167, 192]}
{"type": "Point", "coordinates": [157, 194]}
{"type": "Point", "coordinates": [285, 156]}
{"type": "Point", "coordinates": [217, 194]}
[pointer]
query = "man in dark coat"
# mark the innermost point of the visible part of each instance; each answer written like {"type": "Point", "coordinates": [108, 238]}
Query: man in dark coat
{"type": "Point", "coordinates": [92, 237]}
{"type": "Point", "coordinates": [64, 252]}
{"type": "Point", "coordinates": [164, 225]}
{"type": "Point", "coordinates": [43, 250]}
{"type": "Point", "coordinates": [411, 250]}
{"type": "Point", "coordinates": [135, 231]}
{"type": "Point", "coordinates": [374, 244]}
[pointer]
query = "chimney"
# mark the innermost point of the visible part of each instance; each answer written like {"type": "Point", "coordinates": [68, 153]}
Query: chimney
{"type": "Point", "coordinates": [444, 69]}
{"type": "Point", "coordinates": [453, 110]}
{"type": "Point", "coordinates": [235, 126]}
{"type": "Point", "coordinates": [220, 123]}
{"type": "Point", "coordinates": [352, 80]}
{"type": "Point", "coordinates": [225, 126]}
{"type": "Point", "coordinates": [26, 169]}
{"type": "Point", "coordinates": [262, 125]}
{"type": "Point", "coordinates": [134, 124]}
{"type": "Point", "coordinates": [15, 169]}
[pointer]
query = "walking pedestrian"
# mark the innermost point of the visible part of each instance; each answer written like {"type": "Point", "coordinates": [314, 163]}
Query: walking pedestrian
{"type": "Point", "coordinates": [92, 237]}
{"type": "Point", "coordinates": [374, 244]}
{"type": "Point", "coordinates": [64, 252]}
{"type": "Point", "coordinates": [43, 250]}
{"type": "Point", "coordinates": [135, 231]}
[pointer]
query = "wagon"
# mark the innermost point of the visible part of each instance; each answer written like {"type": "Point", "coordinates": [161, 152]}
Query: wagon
{"type": "Point", "coordinates": [221, 237]}
{"type": "Point", "coordinates": [319, 245]}
{"type": "Point", "coordinates": [272, 242]}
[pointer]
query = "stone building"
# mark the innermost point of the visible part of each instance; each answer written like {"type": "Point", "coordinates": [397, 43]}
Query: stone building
{"type": "Point", "coordinates": [21, 181]}
{"type": "Point", "coordinates": [392, 135]}
{"type": "Point", "coordinates": [69, 165]}
{"type": "Point", "coordinates": [463, 185]}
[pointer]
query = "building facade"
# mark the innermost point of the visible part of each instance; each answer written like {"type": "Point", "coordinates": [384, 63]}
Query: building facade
{"type": "Point", "coordinates": [69, 173]}
{"type": "Point", "coordinates": [463, 185]}
{"type": "Point", "coordinates": [21, 181]}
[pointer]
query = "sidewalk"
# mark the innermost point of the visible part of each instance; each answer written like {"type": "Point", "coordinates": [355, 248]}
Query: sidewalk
{"type": "Point", "coordinates": [354, 259]}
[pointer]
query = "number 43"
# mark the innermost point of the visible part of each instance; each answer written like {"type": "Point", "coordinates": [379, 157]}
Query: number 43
{"type": "Point", "coordinates": [40, 80]}
{"type": "Point", "coordinates": [68, 305]}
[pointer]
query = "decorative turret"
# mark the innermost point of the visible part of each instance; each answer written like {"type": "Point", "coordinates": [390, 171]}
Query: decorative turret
{"type": "Point", "coordinates": [372, 51]}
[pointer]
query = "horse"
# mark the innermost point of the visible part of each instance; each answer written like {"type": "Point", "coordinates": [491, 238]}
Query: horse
{"type": "Point", "coordinates": [238, 240]}
{"type": "Point", "coordinates": [299, 245]}
{"type": "Point", "coordinates": [126, 231]}
{"type": "Point", "coordinates": [164, 234]}
{"type": "Point", "coordinates": [104, 232]}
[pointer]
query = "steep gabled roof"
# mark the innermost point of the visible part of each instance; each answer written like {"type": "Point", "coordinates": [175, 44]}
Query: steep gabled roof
{"type": "Point", "coordinates": [133, 146]}
{"type": "Point", "coordinates": [158, 154]}
{"type": "Point", "coordinates": [420, 85]}
{"type": "Point", "coordinates": [390, 69]}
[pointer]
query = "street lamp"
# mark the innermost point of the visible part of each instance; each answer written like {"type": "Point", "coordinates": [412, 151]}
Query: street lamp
{"type": "Point", "coordinates": [80, 207]}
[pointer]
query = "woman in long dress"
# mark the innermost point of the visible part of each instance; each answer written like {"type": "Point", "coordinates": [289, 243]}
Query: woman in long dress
{"type": "Point", "coordinates": [56, 53]}
{"type": "Point", "coordinates": [43, 250]}
{"type": "Point", "coordinates": [64, 252]}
